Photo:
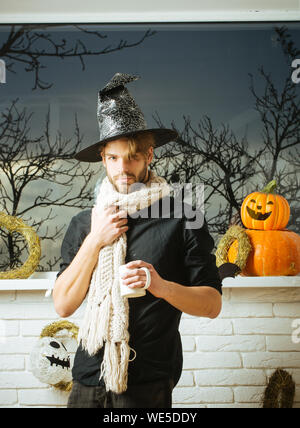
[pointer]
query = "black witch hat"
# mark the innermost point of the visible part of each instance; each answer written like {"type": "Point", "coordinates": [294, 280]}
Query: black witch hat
{"type": "Point", "coordinates": [119, 116]}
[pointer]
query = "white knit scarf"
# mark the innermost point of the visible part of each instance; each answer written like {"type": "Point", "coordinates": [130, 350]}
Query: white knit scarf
{"type": "Point", "coordinates": [106, 316]}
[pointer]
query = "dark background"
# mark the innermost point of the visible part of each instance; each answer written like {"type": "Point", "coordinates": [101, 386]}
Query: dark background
{"type": "Point", "coordinates": [226, 88]}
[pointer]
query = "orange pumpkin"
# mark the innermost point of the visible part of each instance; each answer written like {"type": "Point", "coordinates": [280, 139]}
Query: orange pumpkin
{"type": "Point", "coordinates": [274, 253]}
{"type": "Point", "coordinates": [265, 210]}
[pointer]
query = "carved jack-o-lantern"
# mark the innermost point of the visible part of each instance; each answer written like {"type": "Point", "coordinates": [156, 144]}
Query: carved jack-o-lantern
{"type": "Point", "coordinates": [265, 210]}
{"type": "Point", "coordinates": [50, 361]}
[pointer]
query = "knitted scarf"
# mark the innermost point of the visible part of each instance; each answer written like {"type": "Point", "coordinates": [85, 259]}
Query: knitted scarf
{"type": "Point", "coordinates": [106, 316]}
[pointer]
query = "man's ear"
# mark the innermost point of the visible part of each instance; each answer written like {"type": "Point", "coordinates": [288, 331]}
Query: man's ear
{"type": "Point", "coordinates": [150, 155]}
{"type": "Point", "coordinates": [102, 153]}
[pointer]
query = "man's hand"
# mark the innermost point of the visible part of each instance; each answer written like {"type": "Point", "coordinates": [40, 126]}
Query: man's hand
{"type": "Point", "coordinates": [137, 277]}
{"type": "Point", "coordinates": [201, 301]}
{"type": "Point", "coordinates": [108, 226]}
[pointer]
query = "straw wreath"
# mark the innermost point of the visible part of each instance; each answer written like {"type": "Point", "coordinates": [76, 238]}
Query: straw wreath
{"type": "Point", "coordinates": [15, 224]}
{"type": "Point", "coordinates": [244, 246]}
{"type": "Point", "coordinates": [280, 391]}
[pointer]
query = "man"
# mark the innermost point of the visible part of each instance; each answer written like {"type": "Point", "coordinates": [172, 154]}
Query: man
{"type": "Point", "coordinates": [130, 352]}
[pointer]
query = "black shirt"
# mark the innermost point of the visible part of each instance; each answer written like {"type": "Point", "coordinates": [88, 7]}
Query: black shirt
{"type": "Point", "coordinates": [178, 245]}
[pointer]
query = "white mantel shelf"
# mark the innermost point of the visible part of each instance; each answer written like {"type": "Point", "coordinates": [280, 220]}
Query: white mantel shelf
{"type": "Point", "coordinates": [37, 281]}
{"type": "Point", "coordinates": [45, 281]}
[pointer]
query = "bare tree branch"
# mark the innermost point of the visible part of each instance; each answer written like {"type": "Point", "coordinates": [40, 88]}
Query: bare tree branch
{"type": "Point", "coordinates": [28, 45]}
{"type": "Point", "coordinates": [24, 161]}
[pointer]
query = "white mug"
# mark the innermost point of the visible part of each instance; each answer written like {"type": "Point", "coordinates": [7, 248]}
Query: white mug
{"type": "Point", "coordinates": [127, 291]}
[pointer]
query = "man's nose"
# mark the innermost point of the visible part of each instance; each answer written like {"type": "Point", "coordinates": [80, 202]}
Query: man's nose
{"type": "Point", "coordinates": [124, 165]}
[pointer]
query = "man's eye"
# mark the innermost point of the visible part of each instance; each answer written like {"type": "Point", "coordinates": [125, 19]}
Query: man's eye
{"type": "Point", "coordinates": [112, 157]}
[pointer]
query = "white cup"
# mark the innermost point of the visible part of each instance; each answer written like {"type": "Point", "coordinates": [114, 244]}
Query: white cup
{"type": "Point", "coordinates": [127, 291]}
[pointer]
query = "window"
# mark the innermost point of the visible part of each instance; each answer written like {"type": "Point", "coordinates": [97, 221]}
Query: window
{"type": "Point", "coordinates": [231, 90]}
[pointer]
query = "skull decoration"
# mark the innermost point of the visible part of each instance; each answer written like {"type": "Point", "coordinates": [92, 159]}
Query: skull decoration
{"type": "Point", "coordinates": [50, 361]}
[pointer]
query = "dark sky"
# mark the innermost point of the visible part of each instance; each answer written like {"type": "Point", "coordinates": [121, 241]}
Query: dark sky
{"type": "Point", "coordinates": [186, 69]}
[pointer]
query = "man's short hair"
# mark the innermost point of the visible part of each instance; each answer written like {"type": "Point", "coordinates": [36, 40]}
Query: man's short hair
{"type": "Point", "coordinates": [139, 143]}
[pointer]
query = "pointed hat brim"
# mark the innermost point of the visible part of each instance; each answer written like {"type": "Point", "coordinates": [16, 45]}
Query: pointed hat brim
{"type": "Point", "coordinates": [92, 153]}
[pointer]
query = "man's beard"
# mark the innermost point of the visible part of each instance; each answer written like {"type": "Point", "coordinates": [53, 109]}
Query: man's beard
{"type": "Point", "coordinates": [129, 187]}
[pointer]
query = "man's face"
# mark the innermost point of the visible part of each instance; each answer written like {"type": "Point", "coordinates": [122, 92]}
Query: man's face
{"type": "Point", "coordinates": [121, 171]}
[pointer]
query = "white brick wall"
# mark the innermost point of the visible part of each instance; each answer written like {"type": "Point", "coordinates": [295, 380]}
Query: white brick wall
{"type": "Point", "coordinates": [226, 360]}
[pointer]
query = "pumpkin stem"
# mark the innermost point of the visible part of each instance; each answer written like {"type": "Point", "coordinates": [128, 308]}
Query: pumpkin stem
{"type": "Point", "coordinates": [270, 187]}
